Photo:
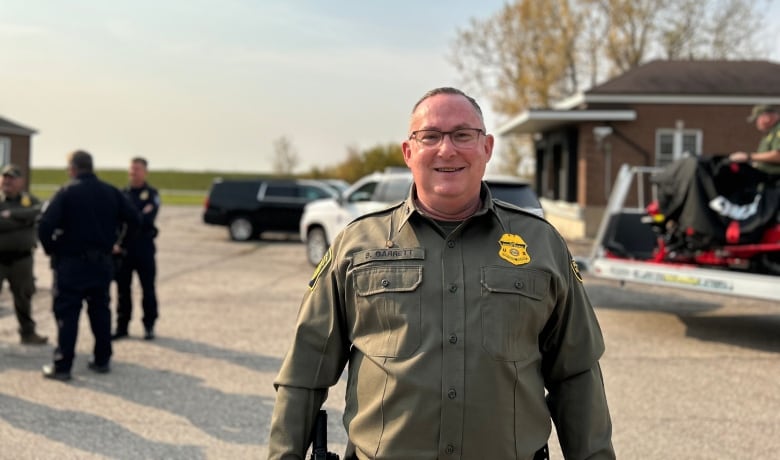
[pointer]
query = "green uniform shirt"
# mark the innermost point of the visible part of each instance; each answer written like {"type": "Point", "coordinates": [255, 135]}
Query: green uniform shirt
{"type": "Point", "coordinates": [769, 142]}
{"type": "Point", "coordinates": [17, 232]}
{"type": "Point", "coordinates": [451, 341]}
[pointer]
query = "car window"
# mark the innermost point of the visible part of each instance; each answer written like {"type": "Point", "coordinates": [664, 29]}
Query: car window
{"type": "Point", "coordinates": [233, 191]}
{"type": "Point", "coordinates": [311, 192]}
{"type": "Point", "coordinates": [518, 194]}
{"type": "Point", "coordinates": [274, 191]}
{"type": "Point", "coordinates": [393, 190]}
{"type": "Point", "coordinates": [363, 193]}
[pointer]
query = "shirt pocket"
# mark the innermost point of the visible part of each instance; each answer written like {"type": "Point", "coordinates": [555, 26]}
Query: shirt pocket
{"type": "Point", "coordinates": [514, 309]}
{"type": "Point", "coordinates": [387, 310]}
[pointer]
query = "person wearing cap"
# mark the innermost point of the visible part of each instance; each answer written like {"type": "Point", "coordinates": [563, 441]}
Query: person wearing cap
{"type": "Point", "coordinates": [767, 156]}
{"type": "Point", "coordinates": [18, 239]}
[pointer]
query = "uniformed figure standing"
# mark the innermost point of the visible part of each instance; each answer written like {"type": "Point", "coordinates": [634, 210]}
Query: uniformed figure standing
{"type": "Point", "coordinates": [454, 312]}
{"type": "Point", "coordinates": [137, 254]}
{"type": "Point", "coordinates": [767, 155]}
{"type": "Point", "coordinates": [78, 229]}
{"type": "Point", "coordinates": [18, 212]}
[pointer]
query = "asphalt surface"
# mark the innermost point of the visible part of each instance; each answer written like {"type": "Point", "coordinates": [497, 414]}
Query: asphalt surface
{"type": "Point", "coordinates": [688, 375]}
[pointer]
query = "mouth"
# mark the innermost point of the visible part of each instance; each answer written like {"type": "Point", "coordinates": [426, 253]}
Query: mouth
{"type": "Point", "coordinates": [448, 170]}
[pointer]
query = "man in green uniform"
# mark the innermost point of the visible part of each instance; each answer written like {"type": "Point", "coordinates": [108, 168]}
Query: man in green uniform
{"type": "Point", "coordinates": [454, 313]}
{"type": "Point", "coordinates": [18, 238]}
{"type": "Point", "coordinates": [767, 155]}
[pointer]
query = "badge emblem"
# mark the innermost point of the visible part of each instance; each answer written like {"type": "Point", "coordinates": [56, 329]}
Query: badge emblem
{"type": "Point", "coordinates": [324, 262]}
{"type": "Point", "coordinates": [576, 269]}
{"type": "Point", "coordinates": [513, 249]}
{"type": "Point", "coordinates": [26, 201]}
{"type": "Point", "coordinates": [144, 195]}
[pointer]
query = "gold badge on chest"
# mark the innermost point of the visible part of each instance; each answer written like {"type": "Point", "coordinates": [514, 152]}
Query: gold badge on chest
{"type": "Point", "coordinates": [513, 249]}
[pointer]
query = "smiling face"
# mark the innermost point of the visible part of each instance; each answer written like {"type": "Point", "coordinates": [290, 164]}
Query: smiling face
{"type": "Point", "coordinates": [447, 177]}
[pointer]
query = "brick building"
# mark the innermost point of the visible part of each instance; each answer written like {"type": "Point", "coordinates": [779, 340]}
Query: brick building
{"type": "Point", "coordinates": [648, 116]}
{"type": "Point", "coordinates": [15, 144]}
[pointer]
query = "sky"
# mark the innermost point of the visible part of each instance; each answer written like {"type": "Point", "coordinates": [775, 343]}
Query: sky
{"type": "Point", "coordinates": [202, 85]}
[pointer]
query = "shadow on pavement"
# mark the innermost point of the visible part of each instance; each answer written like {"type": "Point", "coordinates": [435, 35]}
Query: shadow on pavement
{"type": "Point", "coordinates": [102, 435]}
{"type": "Point", "coordinates": [251, 361]}
{"type": "Point", "coordinates": [759, 332]}
{"type": "Point", "coordinates": [242, 419]}
{"type": "Point", "coordinates": [617, 298]}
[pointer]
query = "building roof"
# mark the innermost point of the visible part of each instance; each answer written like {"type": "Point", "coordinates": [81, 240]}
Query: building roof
{"type": "Point", "coordinates": [9, 127]}
{"type": "Point", "coordinates": [733, 78]}
{"type": "Point", "coordinates": [535, 121]}
{"type": "Point", "coordinates": [659, 82]}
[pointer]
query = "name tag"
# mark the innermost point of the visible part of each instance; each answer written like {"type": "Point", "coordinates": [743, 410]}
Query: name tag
{"type": "Point", "coordinates": [372, 255]}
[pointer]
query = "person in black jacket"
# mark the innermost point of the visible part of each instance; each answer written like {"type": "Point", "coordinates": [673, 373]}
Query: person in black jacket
{"type": "Point", "coordinates": [138, 254]}
{"type": "Point", "coordinates": [78, 229]}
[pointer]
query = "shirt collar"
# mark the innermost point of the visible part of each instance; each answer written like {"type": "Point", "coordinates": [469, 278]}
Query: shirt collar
{"type": "Point", "coordinates": [410, 208]}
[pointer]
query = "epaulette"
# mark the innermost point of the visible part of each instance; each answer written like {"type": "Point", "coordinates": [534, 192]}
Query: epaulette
{"type": "Point", "coordinates": [390, 207]}
{"type": "Point", "coordinates": [513, 207]}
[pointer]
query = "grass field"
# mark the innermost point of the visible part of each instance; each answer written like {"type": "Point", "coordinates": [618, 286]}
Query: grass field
{"type": "Point", "coordinates": [176, 187]}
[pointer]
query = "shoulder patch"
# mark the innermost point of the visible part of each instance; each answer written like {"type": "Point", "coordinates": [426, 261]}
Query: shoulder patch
{"type": "Point", "coordinates": [576, 269]}
{"type": "Point", "coordinates": [324, 262]}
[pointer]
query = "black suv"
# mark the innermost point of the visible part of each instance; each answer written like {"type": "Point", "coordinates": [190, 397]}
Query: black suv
{"type": "Point", "coordinates": [250, 207]}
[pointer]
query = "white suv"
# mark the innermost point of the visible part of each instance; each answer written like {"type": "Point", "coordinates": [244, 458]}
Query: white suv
{"type": "Point", "coordinates": [323, 219]}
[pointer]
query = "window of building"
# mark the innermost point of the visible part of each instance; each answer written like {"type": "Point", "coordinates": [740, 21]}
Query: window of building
{"type": "Point", "coordinates": [673, 144]}
{"type": "Point", "coordinates": [5, 150]}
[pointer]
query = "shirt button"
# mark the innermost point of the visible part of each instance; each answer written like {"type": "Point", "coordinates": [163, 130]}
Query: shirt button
{"type": "Point", "coordinates": [385, 283]}
{"type": "Point", "coordinates": [519, 284]}
{"type": "Point", "coordinates": [452, 393]}
{"type": "Point", "coordinates": [449, 449]}
{"type": "Point", "coordinates": [453, 339]}
{"type": "Point", "coordinates": [453, 287]}
{"type": "Point", "coordinates": [450, 244]}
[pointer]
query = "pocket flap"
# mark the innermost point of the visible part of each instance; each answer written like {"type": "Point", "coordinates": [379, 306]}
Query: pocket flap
{"type": "Point", "coordinates": [524, 281]}
{"type": "Point", "coordinates": [377, 280]}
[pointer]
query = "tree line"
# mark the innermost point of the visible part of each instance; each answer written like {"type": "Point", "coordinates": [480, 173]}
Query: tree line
{"type": "Point", "coordinates": [533, 53]}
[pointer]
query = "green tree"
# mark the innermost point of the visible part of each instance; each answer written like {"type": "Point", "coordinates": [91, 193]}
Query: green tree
{"type": "Point", "coordinates": [360, 163]}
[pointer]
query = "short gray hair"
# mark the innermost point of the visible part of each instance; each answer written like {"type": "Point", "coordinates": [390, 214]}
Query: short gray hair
{"type": "Point", "coordinates": [449, 90]}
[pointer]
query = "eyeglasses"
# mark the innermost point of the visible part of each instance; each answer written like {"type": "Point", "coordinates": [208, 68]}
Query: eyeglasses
{"type": "Point", "coordinates": [463, 137]}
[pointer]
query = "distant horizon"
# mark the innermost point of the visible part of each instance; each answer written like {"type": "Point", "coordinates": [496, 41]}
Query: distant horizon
{"type": "Point", "coordinates": [192, 87]}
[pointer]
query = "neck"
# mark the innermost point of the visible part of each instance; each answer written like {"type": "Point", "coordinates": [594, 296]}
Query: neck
{"type": "Point", "coordinates": [458, 214]}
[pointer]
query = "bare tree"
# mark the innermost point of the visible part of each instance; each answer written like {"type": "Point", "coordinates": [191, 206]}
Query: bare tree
{"type": "Point", "coordinates": [285, 157]}
{"type": "Point", "coordinates": [534, 52]}
{"type": "Point", "coordinates": [522, 56]}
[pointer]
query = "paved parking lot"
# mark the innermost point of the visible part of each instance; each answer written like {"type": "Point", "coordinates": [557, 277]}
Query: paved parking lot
{"type": "Point", "coordinates": [689, 376]}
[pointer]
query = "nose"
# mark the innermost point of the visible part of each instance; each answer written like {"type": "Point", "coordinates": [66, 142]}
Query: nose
{"type": "Point", "coordinates": [447, 147]}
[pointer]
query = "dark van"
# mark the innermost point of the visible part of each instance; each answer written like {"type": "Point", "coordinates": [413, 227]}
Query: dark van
{"type": "Point", "coordinates": [250, 207]}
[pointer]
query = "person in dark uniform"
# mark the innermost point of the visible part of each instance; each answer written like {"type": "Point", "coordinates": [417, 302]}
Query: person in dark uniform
{"type": "Point", "coordinates": [78, 229]}
{"type": "Point", "coordinates": [137, 254]}
{"type": "Point", "coordinates": [18, 213]}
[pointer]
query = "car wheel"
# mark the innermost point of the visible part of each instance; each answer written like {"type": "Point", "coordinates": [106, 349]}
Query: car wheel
{"type": "Point", "coordinates": [241, 229]}
{"type": "Point", "coordinates": [316, 245]}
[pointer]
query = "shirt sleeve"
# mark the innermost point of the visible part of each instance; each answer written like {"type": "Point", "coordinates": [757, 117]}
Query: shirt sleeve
{"type": "Point", "coordinates": [572, 344]}
{"type": "Point", "coordinates": [314, 362]}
